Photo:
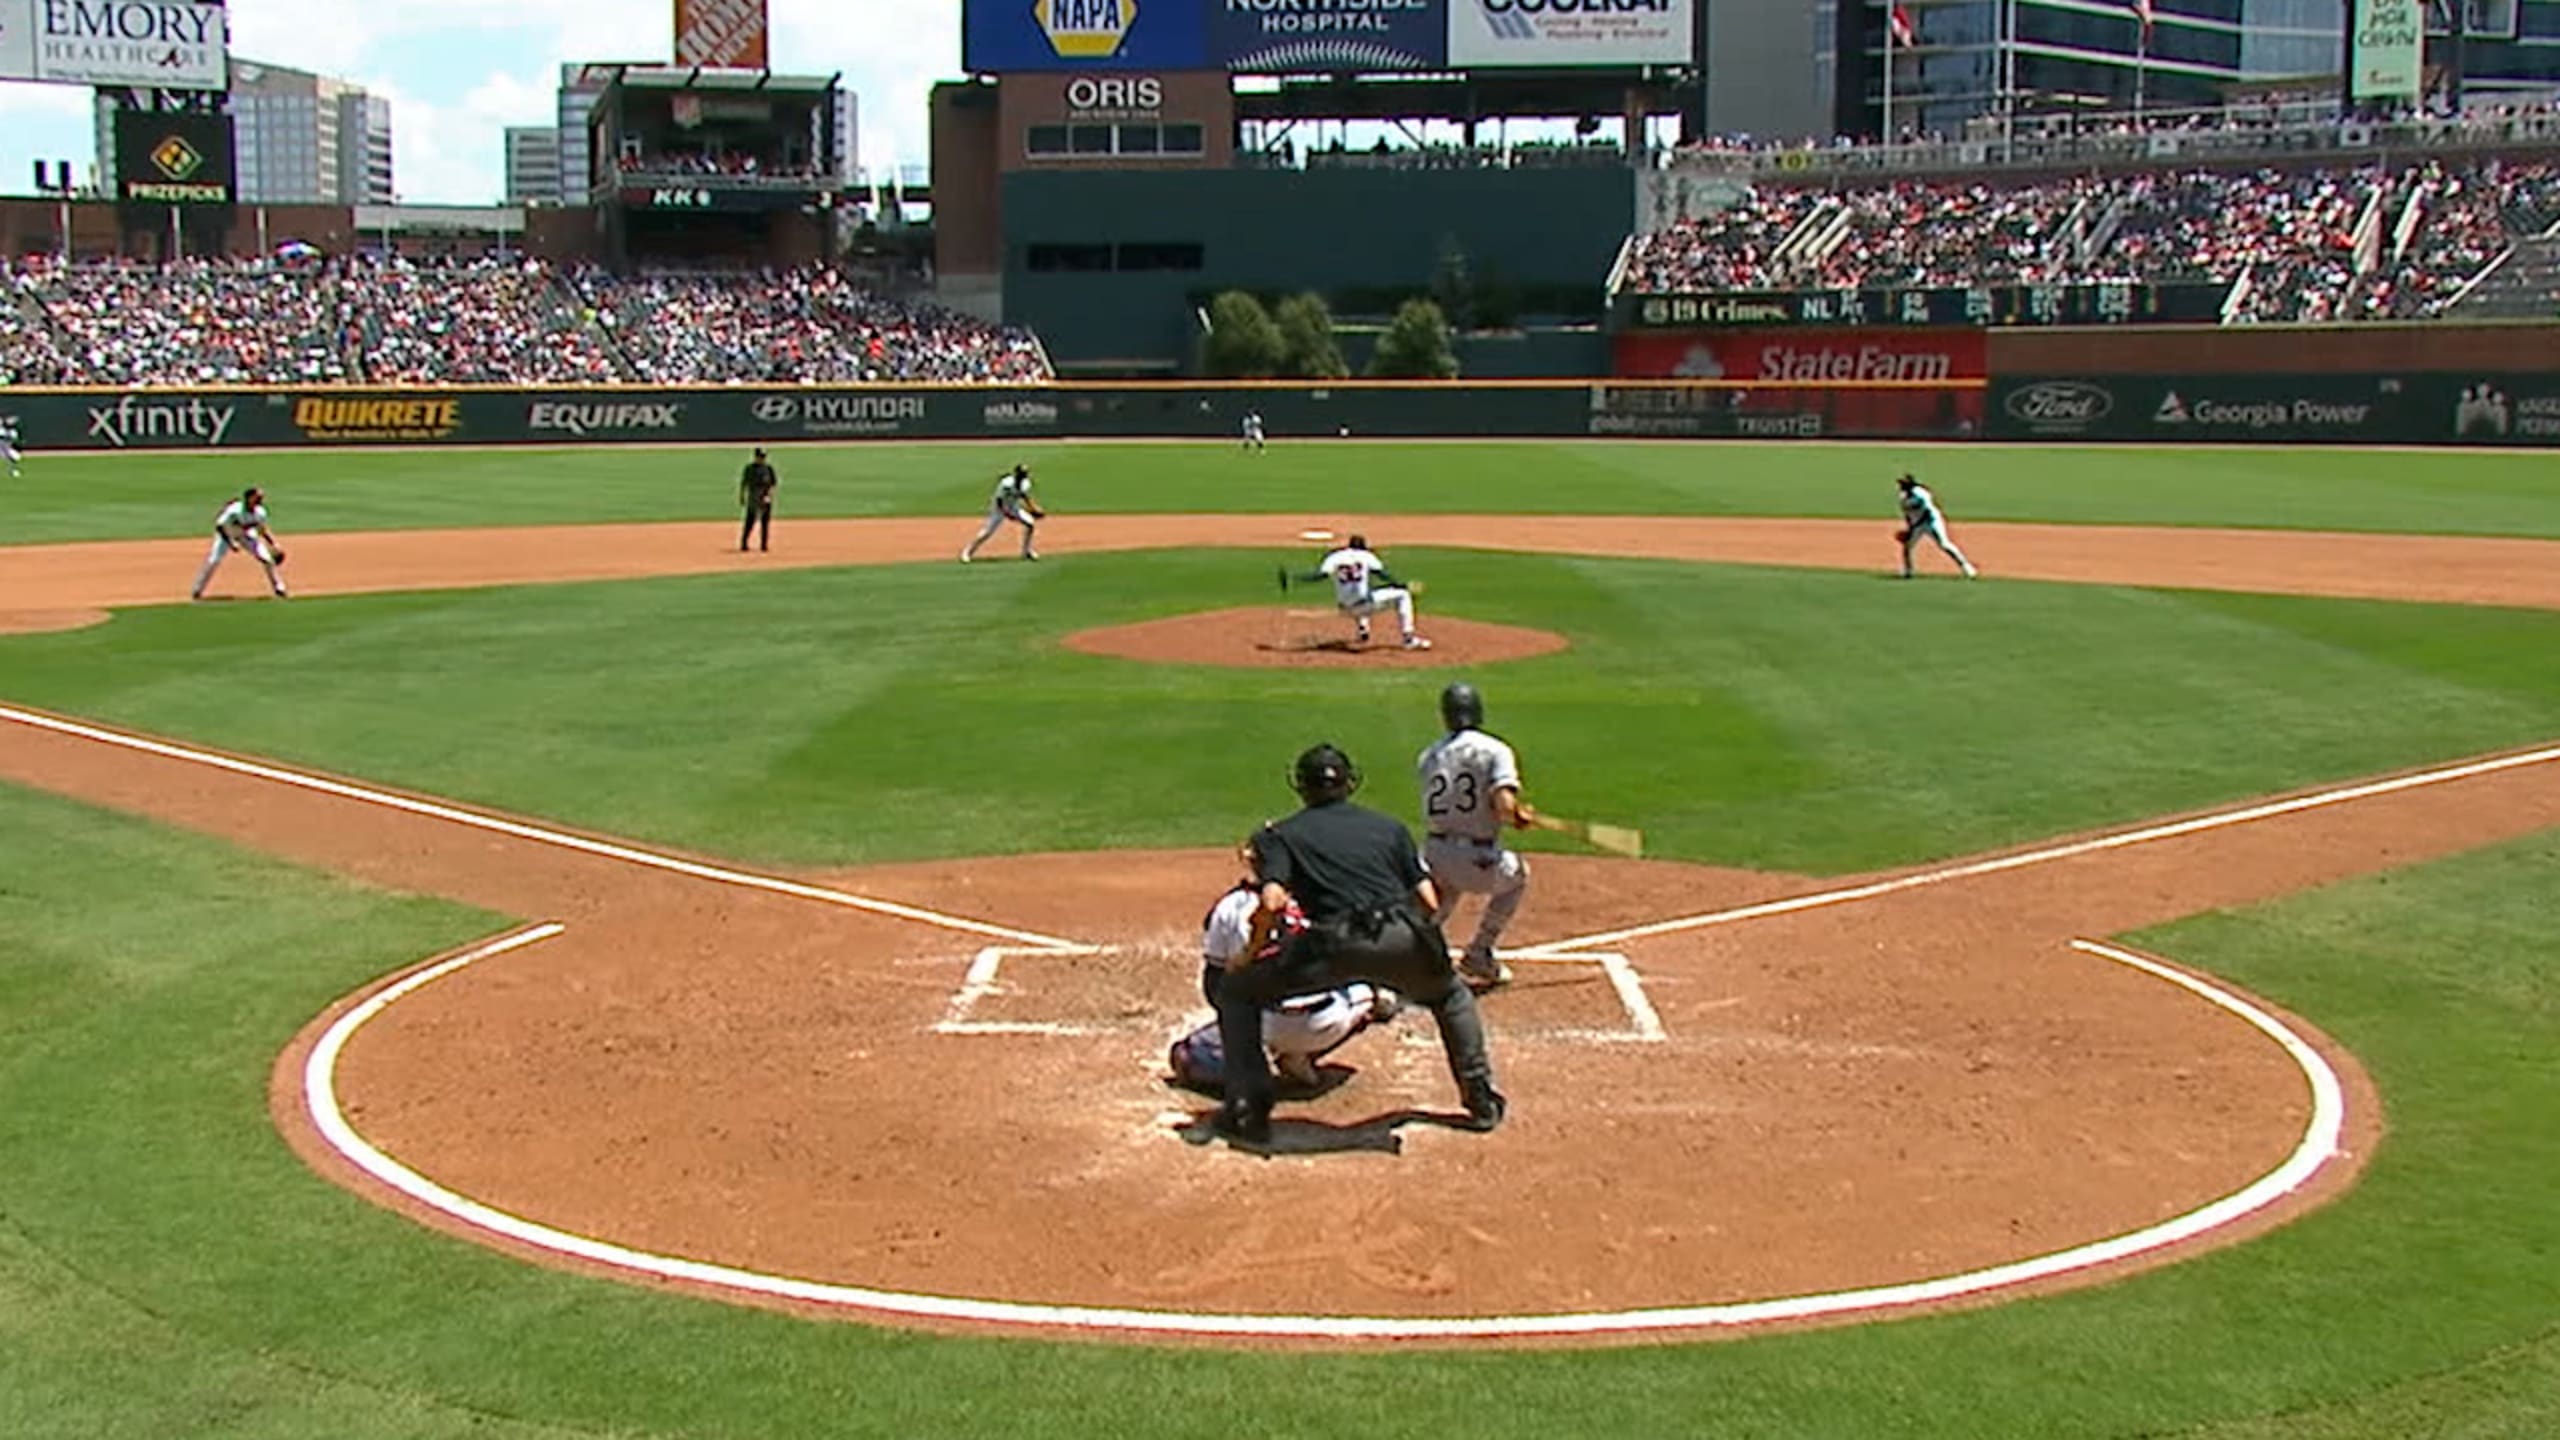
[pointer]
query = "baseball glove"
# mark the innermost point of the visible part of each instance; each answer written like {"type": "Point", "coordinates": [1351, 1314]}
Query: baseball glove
{"type": "Point", "coordinates": [1283, 573]}
{"type": "Point", "coordinates": [1902, 537]}
{"type": "Point", "coordinates": [275, 557]}
{"type": "Point", "coordinates": [1038, 514]}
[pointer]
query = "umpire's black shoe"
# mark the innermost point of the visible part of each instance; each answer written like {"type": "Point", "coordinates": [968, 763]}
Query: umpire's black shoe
{"type": "Point", "coordinates": [1249, 1124]}
{"type": "Point", "coordinates": [1485, 1106]}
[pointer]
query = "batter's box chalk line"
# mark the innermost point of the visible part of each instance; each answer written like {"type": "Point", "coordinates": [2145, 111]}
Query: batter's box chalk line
{"type": "Point", "coordinates": [986, 979]}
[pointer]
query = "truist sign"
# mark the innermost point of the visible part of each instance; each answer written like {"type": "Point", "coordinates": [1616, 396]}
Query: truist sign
{"type": "Point", "coordinates": [157, 44]}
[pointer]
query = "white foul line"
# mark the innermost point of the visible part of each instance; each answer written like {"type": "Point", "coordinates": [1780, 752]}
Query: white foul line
{"type": "Point", "coordinates": [2143, 836]}
{"type": "Point", "coordinates": [521, 831]}
{"type": "Point", "coordinates": [2318, 1144]}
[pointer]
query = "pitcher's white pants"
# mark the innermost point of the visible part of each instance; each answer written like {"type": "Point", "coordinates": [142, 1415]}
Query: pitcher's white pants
{"type": "Point", "coordinates": [1389, 597]}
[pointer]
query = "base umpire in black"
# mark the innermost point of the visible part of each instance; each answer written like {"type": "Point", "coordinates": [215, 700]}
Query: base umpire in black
{"type": "Point", "coordinates": [1368, 903]}
{"type": "Point", "coordinates": [755, 492]}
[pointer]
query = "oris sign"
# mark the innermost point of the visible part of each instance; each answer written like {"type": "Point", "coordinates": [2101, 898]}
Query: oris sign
{"type": "Point", "coordinates": [1113, 96]}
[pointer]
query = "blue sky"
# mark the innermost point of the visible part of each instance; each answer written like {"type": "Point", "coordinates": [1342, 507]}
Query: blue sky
{"type": "Point", "coordinates": [459, 71]}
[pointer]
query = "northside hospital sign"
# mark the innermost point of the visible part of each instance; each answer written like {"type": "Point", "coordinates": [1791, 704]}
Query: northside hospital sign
{"type": "Point", "coordinates": [159, 44]}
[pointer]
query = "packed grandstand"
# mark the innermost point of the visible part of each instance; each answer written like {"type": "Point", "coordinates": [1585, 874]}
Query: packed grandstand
{"type": "Point", "coordinates": [2306, 243]}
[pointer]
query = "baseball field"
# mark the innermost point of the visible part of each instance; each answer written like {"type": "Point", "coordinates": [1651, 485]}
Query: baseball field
{"type": "Point", "coordinates": [2279, 723]}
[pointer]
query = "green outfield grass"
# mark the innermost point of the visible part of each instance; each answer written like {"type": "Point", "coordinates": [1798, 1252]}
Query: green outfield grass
{"type": "Point", "coordinates": [120, 496]}
{"type": "Point", "coordinates": [167, 1268]}
{"type": "Point", "coordinates": [1781, 719]}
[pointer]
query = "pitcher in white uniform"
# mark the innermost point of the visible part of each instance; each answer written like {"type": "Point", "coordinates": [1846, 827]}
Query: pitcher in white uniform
{"type": "Point", "coordinates": [242, 526]}
{"type": "Point", "coordinates": [1011, 501]}
{"type": "Point", "coordinates": [1299, 1031]}
{"type": "Point", "coordinates": [1362, 587]}
{"type": "Point", "coordinates": [1470, 794]}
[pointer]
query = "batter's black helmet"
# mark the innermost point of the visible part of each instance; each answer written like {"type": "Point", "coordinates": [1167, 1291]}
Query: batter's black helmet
{"type": "Point", "coordinates": [1324, 773]}
{"type": "Point", "coordinates": [1461, 708]}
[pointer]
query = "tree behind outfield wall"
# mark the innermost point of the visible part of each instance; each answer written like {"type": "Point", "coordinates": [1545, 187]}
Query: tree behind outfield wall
{"type": "Point", "coordinates": [1243, 343]}
{"type": "Point", "coordinates": [1415, 346]}
{"type": "Point", "coordinates": [1308, 349]}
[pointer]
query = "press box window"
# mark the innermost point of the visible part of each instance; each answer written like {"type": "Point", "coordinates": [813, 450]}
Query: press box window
{"type": "Point", "coordinates": [1047, 140]}
{"type": "Point", "coordinates": [1089, 139]}
{"type": "Point", "coordinates": [1054, 258]}
{"type": "Point", "coordinates": [1141, 139]}
{"type": "Point", "coordinates": [1172, 255]}
{"type": "Point", "coordinates": [1182, 140]}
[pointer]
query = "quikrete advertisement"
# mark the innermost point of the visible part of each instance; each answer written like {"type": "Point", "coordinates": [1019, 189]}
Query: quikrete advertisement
{"type": "Point", "coordinates": [346, 420]}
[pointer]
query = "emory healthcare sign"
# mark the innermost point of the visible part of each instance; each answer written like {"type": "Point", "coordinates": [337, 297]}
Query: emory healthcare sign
{"type": "Point", "coordinates": [154, 44]}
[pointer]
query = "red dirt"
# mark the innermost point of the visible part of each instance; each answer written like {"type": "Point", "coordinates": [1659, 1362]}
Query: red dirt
{"type": "Point", "coordinates": [1907, 1086]}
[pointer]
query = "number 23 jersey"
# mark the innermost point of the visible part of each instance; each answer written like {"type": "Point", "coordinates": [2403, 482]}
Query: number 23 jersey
{"type": "Point", "coordinates": [1459, 775]}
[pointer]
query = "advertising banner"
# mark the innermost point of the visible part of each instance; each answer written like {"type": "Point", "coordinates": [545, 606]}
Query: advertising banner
{"type": "Point", "coordinates": [1805, 356]}
{"type": "Point", "coordinates": [2336, 409]}
{"type": "Point", "coordinates": [1981, 305]}
{"type": "Point", "coordinates": [721, 34]}
{"type": "Point", "coordinates": [1636, 409]}
{"type": "Point", "coordinates": [2390, 40]}
{"type": "Point", "coordinates": [1298, 37]}
{"type": "Point", "coordinates": [173, 157]}
{"type": "Point", "coordinates": [1010, 36]}
{"type": "Point", "coordinates": [1488, 33]}
{"type": "Point", "coordinates": [152, 44]}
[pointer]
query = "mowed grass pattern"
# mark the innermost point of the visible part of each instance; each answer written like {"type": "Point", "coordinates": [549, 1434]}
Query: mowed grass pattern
{"type": "Point", "coordinates": [166, 1268]}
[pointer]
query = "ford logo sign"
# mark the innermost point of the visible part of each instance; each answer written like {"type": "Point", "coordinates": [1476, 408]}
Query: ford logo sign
{"type": "Point", "coordinates": [2060, 404]}
{"type": "Point", "coordinates": [776, 409]}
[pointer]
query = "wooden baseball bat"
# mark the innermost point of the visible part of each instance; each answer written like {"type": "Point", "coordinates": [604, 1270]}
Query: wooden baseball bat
{"type": "Point", "coordinates": [1615, 839]}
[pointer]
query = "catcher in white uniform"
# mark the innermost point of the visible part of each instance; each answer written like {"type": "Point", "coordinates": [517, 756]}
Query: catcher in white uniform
{"type": "Point", "coordinates": [1011, 501]}
{"type": "Point", "coordinates": [1299, 1031]}
{"type": "Point", "coordinates": [1470, 793]}
{"type": "Point", "coordinates": [242, 525]}
{"type": "Point", "coordinates": [1362, 587]}
{"type": "Point", "coordinates": [1921, 519]}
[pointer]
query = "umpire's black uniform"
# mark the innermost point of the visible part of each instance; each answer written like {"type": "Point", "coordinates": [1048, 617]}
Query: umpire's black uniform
{"type": "Point", "coordinates": [1355, 873]}
{"type": "Point", "coordinates": [755, 491]}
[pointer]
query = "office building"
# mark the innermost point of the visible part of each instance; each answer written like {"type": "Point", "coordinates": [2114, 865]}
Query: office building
{"type": "Point", "coordinates": [302, 139]}
{"type": "Point", "coordinates": [533, 165]}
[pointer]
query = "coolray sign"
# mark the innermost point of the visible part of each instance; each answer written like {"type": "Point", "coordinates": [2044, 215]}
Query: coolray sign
{"type": "Point", "coordinates": [839, 414]}
{"type": "Point", "coordinates": [155, 44]}
{"type": "Point", "coordinates": [376, 418]}
{"type": "Point", "coordinates": [584, 418]}
{"type": "Point", "coordinates": [1328, 36]}
{"type": "Point", "coordinates": [2059, 407]}
{"type": "Point", "coordinates": [1571, 32]}
{"type": "Point", "coordinates": [152, 420]}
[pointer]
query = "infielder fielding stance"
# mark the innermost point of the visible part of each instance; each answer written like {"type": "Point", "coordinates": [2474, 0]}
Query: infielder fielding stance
{"type": "Point", "coordinates": [1368, 904]}
{"type": "Point", "coordinates": [1921, 519]}
{"type": "Point", "coordinates": [1300, 1030]}
{"type": "Point", "coordinates": [242, 525]}
{"type": "Point", "coordinates": [1361, 588]}
{"type": "Point", "coordinates": [1470, 794]}
{"type": "Point", "coordinates": [1011, 501]}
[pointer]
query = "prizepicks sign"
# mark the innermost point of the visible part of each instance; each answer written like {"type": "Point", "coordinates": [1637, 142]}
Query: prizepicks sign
{"type": "Point", "coordinates": [146, 44]}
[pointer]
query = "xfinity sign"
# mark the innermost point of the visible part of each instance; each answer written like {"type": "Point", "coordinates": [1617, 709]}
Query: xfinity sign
{"type": "Point", "coordinates": [142, 419]}
{"type": "Point", "coordinates": [156, 44]}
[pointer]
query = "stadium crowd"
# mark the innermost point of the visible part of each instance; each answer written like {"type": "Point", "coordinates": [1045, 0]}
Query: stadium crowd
{"type": "Point", "coordinates": [494, 320]}
{"type": "Point", "coordinates": [2310, 244]}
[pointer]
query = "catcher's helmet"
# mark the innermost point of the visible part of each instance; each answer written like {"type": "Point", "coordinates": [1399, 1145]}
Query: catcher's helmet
{"type": "Point", "coordinates": [1324, 773]}
{"type": "Point", "coordinates": [1461, 708]}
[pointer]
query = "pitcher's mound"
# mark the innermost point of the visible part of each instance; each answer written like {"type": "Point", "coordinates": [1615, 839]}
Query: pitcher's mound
{"type": "Point", "coordinates": [1308, 637]}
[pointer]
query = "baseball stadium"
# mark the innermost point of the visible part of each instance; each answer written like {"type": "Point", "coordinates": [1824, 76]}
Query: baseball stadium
{"type": "Point", "coordinates": [646, 879]}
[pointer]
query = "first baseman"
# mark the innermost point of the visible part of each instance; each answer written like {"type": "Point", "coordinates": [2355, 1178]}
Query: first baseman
{"type": "Point", "coordinates": [9, 444]}
{"type": "Point", "coordinates": [1011, 501]}
{"type": "Point", "coordinates": [242, 525]}
{"type": "Point", "coordinates": [1362, 587]}
{"type": "Point", "coordinates": [1921, 518]}
{"type": "Point", "coordinates": [1299, 1030]}
{"type": "Point", "coordinates": [1470, 794]}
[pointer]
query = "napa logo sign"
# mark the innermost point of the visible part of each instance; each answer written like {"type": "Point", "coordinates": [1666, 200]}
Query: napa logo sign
{"type": "Point", "coordinates": [1086, 29]}
{"type": "Point", "coordinates": [1010, 37]}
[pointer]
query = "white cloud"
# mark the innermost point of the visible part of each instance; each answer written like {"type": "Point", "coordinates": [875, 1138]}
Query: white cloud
{"type": "Point", "coordinates": [459, 71]}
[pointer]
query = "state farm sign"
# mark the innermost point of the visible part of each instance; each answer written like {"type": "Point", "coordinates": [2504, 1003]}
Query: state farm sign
{"type": "Point", "coordinates": [1911, 357]}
